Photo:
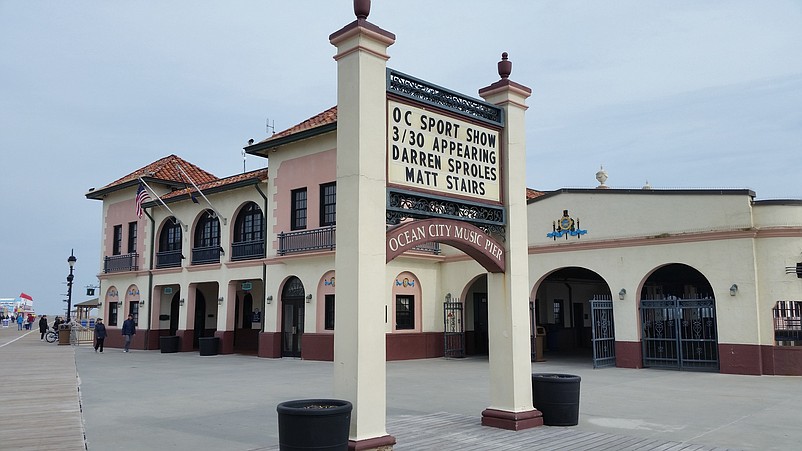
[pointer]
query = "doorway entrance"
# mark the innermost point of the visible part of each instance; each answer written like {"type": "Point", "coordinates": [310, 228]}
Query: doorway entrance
{"type": "Point", "coordinates": [480, 328]}
{"type": "Point", "coordinates": [678, 320]}
{"type": "Point", "coordinates": [563, 309]}
{"type": "Point", "coordinates": [200, 318]}
{"type": "Point", "coordinates": [292, 317]}
{"type": "Point", "coordinates": [174, 311]}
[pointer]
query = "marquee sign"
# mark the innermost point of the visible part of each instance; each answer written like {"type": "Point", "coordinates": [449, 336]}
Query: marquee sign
{"type": "Point", "coordinates": [433, 152]}
{"type": "Point", "coordinates": [443, 171]}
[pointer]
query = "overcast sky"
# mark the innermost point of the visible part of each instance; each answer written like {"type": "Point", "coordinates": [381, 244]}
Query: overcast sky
{"type": "Point", "coordinates": [684, 94]}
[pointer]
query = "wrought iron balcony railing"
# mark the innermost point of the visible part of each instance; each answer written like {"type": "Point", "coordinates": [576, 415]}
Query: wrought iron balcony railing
{"type": "Point", "coordinates": [119, 263]}
{"type": "Point", "coordinates": [324, 238]}
{"type": "Point", "coordinates": [246, 250]}
{"type": "Point", "coordinates": [169, 259]}
{"type": "Point", "coordinates": [206, 254]}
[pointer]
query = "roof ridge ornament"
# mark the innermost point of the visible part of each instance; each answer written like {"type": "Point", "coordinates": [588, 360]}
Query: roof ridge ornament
{"type": "Point", "coordinates": [362, 9]}
{"type": "Point", "coordinates": [504, 67]}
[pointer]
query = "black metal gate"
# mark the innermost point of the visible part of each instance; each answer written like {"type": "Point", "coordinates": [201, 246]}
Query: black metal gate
{"type": "Point", "coordinates": [680, 334]}
{"type": "Point", "coordinates": [601, 309]}
{"type": "Point", "coordinates": [454, 326]}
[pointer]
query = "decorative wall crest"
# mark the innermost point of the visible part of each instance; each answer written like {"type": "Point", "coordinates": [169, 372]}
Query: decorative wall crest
{"type": "Point", "coordinates": [565, 226]}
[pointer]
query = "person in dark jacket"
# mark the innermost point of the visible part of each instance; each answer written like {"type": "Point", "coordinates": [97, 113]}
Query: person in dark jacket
{"type": "Point", "coordinates": [100, 334]}
{"type": "Point", "coordinates": [43, 326]}
{"type": "Point", "coordinates": [129, 330]}
{"type": "Point", "coordinates": [56, 322]}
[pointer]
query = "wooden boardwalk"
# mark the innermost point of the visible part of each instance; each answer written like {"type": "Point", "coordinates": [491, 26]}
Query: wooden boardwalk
{"type": "Point", "coordinates": [41, 409]}
{"type": "Point", "coordinates": [40, 405]}
{"type": "Point", "coordinates": [451, 432]}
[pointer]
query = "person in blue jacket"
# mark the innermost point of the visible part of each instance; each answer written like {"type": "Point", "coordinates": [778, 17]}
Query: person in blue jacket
{"type": "Point", "coordinates": [129, 330]}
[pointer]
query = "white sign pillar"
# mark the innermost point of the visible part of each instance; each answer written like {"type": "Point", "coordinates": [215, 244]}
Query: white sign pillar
{"type": "Point", "coordinates": [359, 337]}
{"type": "Point", "coordinates": [508, 292]}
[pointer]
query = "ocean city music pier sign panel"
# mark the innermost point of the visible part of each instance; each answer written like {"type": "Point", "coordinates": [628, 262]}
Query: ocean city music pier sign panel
{"type": "Point", "coordinates": [433, 152]}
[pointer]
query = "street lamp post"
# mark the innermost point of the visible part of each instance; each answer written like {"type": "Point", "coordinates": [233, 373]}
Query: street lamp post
{"type": "Point", "coordinates": [71, 260]}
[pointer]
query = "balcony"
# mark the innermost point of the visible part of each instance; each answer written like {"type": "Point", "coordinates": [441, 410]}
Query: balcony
{"type": "Point", "coordinates": [169, 259]}
{"type": "Point", "coordinates": [205, 255]}
{"type": "Point", "coordinates": [325, 239]}
{"type": "Point", "coordinates": [120, 263]}
{"type": "Point", "coordinates": [248, 250]}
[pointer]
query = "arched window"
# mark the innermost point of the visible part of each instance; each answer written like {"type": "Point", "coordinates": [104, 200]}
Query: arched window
{"type": "Point", "coordinates": [250, 224]}
{"type": "Point", "coordinates": [207, 239]}
{"type": "Point", "coordinates": [207, 233]}
{"type": "Point", "coordinates": [169, 254]}
{"type": "Point", "coordinates": [249, 236]}
{"type": "Point", "coordinates": [170, 239]}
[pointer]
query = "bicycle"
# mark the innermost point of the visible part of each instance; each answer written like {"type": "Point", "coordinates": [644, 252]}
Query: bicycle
{"type": "Point", "coordinates": [51, 336]}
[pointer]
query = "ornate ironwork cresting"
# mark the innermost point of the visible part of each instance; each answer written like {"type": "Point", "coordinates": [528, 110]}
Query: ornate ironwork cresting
{"type": "Point", "coordinates": [415, 89]}
{"type": "Point", "coordinates": [410, 205]}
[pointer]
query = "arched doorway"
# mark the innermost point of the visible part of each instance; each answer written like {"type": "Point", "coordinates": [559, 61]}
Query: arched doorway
{"type": "Point", "coordinates": [563, 307]}
{"type": "Point", "coordinates": [292, 317]}
{"type": "Point", "coordinates": [678, 320]}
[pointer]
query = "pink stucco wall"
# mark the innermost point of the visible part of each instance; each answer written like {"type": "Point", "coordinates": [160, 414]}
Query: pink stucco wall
{"type": "Point", "coordinates": [304, 172]}
{"type": "Point", "coordinates": [121, 213]}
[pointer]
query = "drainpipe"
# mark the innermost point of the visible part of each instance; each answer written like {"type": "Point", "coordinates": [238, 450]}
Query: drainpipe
{"type": "Point", "coordinates": [150, 276]}
{"type": "Point", "coordinates": [264, 265]}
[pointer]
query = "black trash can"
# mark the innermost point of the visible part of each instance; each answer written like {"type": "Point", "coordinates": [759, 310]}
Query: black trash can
{"type": "Point", "coordinates": [556, 396]}
{"type": "Point", "coordinates": [168, 344]}
{"type": "Point", "coordinates": [314, 424]}
{"type": "Point", "coordinates": [208, 345]}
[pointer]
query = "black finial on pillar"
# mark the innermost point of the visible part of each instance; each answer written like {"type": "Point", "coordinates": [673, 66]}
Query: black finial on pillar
{"type": "Point", "coordinates": [504, 66]}
{"type": "Point", "coordinates": [362, 8]}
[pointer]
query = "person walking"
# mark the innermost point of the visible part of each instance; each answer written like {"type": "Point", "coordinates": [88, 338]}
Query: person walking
{"type": "Point", "coordinates": [43, 326]}
{"type": "Point", "coordinates": [20, 319]}
{"type": "Point", "coordinates": [129, 330]}
{"type": "Point", "coordinates": [100, 334]}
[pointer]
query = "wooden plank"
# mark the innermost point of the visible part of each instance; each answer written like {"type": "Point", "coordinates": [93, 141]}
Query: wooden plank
{"type": "Point", "coordinates": [42, 410]}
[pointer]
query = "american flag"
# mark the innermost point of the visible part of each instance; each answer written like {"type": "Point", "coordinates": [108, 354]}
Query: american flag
{"type": "Point", "coordinates": [141, 197]}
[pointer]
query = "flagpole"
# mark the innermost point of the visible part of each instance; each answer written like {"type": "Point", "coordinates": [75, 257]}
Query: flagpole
{"type": "Point", "coordinates": [201, 193]}
{"type": "Point", "coordinates": [157, 197]}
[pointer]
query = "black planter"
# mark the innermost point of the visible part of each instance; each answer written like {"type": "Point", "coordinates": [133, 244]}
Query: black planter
{"type": "Point", "coordinates": [168, 344]}
{"type": "Point", "coordinates": [208, 345]}
{"type": "Point", "coordinates": [556, 396]}
{"type": "Point", "coordinates": [314, 424]}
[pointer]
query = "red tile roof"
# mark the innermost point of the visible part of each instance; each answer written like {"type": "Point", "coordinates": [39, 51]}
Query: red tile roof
{"type": "Point", "coordinates": [532, 194]}
{"type": "Point", "coordinates": [261, 174]}
{"type": "Point", "coordinates": [165, 169]}
{"type": "Point", "coordinates": [327, 117]}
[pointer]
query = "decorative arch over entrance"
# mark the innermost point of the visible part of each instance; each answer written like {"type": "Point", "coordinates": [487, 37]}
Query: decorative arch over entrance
{"type": "Point", "coordinates": [132, 303]}
{"type": "Point", "coordinates": [112, 303]}
{"type": "Point", "coordinates": [480, 246]}
{"type": "Point", "coordinates": [678, 320]}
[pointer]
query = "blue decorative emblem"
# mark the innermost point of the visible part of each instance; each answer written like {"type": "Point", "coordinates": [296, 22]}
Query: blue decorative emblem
{"type": "Point", "coordinates": [404, 283]}
{"type": "Point", "coordinates": [565, 226]}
